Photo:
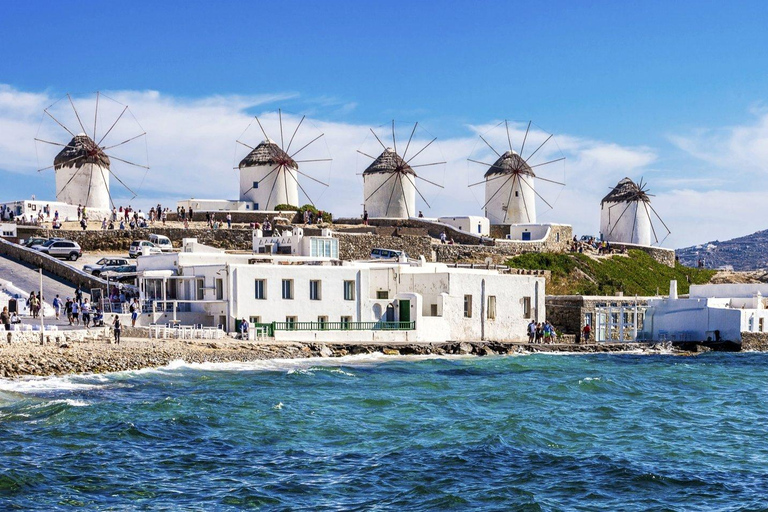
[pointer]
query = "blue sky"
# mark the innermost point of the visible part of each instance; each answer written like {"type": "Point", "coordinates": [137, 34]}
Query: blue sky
{"type": "Point", "coordinates": [669, 79]}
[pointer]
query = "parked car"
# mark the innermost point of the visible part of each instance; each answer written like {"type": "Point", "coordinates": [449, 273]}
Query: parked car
{"type": "Point", "coordinates": [104, 264]}
{"type": "Point", "coordinates": [32, 242]}
{"type": "Point", "coordinates": [377, 254]}
{"type": "Point", "coordinates": [137, 246]}
{"type": "Point", "coordinates": [121, 274]}
{"type": "Point", "coordinates": [59, 248]}
{"type": "Point", "coordinates": [162, 242]}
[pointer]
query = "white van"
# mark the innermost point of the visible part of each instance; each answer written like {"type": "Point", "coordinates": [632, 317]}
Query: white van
{"type": "Point", "coordinates": [383, 254]}
{"type": "Point", "coordinates": [162, 242]}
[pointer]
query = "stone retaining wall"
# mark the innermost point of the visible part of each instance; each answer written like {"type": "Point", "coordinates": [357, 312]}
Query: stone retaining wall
{"type": "Point", "coordinates": [358, 246]}
{"type": "Point", "coordinates": [660, 254]}
{"type": "Point", "coordinates": [51, 265]}
{"type": "Point", "coordinates": [757, 341]}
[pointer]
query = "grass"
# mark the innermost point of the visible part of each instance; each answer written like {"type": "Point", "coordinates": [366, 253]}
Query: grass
{"type": "Point", "coordinates": [633, 274]}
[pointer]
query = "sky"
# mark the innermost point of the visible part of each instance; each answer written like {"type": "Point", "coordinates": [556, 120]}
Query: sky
{"type": "Point", "coordinates": [675, 93]}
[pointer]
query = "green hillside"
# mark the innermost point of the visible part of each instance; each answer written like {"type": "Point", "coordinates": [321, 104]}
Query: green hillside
{"type": "Point", "coordinates": [634, 274]}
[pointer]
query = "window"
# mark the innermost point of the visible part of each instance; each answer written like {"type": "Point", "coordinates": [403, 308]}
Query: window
{"type": "Point", "coordinates": [433, 310]}
{"type": "Point", "coordinates": [526, 307]}
{"type": "Point", "coordinates": [588, 319]}
{"type": "Point", "coordinates": [288, 288]}
{"type": "Point", "coordinates": [200, 289]}
{"type": "Point", "coordinates": [322, 322]}
{"type": "Point", "coordinates": [491, 307]}
{"type": "Point", "coordinates": [324, 248]}
{"type": "Point", "coordinates": [255, 206]}
{"type": "Point", "coordinates": [345, 322]}
{"type": "Point", "coordinates": [261, 289]}
{"type": "Point", "coordinates": [349, 290]}
{"type": "Point", "coordinates": [290, 322]}
{"type": "Point", "coordinates": [315, 288]}
{"type": "Point", "coordinates": [255, 320]}
{"type": "Point", "coordinates": [382, 294]}
{"type": "Point", "coordinates": [219, 289]}
{"type": "Point", "coordinates": [760, 325]}
{"type": "Point", "coordinates": [467, 306]}
{"type": "Point", "coordinates": [255, 184]}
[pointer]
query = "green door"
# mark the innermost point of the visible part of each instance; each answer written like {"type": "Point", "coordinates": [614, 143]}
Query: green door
{"type": "Point", "coordinates": [405, 311]}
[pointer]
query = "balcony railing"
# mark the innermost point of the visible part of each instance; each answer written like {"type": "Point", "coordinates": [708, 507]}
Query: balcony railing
{"type": "Point", "coordinates": [335, 326]}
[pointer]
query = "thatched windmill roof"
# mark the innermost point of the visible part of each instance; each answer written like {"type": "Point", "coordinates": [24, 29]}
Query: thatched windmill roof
{"type": "Point", "coordinates": [81, 150]}
{"type": "Point", "coordinates": [626, 191]}
{"type": "Point", "coordinates": [268, 153]}
{"type": "Point", "coordinates": [389, 162]}
{"type": "Point", "coordinates": [510, 163]}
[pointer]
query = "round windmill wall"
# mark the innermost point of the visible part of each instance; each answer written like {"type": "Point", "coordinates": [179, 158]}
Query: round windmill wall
{"type": "Point", "coordinates": [389, 195]}
{"type": "Point", "coordinates": [515, 202]}
{"type": "Point", "coordinates": [625, 222]}
{"type": "Point", "coordinates": [257, 182]}
{"type": "Point", "coordinates": [87, 185]}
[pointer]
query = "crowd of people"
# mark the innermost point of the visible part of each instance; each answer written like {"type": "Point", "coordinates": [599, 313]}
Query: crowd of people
{"type": "Point", "coordinates": [541, 332]}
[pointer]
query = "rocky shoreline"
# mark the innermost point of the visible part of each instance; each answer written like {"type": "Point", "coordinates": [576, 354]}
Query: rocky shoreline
{"type": "Point", "coordinates": [101, 355]}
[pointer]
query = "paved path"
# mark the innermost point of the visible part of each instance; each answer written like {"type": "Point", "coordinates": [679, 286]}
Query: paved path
{"type": "Point", "coordinates": [27, 278]}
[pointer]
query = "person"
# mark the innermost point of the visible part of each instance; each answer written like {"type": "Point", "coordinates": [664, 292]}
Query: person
{"type": "Point", "coordinates": [78, 294]}
{"type": "Point", "coordinates": [229, 220]}
{"type": "Point", "coordinates": [421, 214]}
{"type": "Point", "coordinates": [76, 312]}
{"type": "Point", "coordinates": [244, 329]}
{"type": "Point", "coordinates": [189, 214]}
{"type": "Point", "coordinates": [134, 310]}
{"type": "Point", "coordinates": [34, 304]}
{"type": "Point", "coordinates": [83, 223]}
{"type": "Point", "coordinates": [116, 326]}
{"type": "Point", "coordinates": [98, 317]}
{"type": "Point", "coordinates": [57, 306]}
{"type": "Point", "coordinates": [539, 333]}
{"type": "Point", "coordinates": [586, 331]}
{"type": "Point", "coordinates": [79, 211]}
{"type": "Point", "coordinates": [442, 237]}
{"type": "Point", "coordinates": [531, 331]}
{"type": "Point", "coordinates": [5, 318]}
{"type": "Point", "coordinates": [68, 309]}
{"type": "Point", "coordinates": [85, 308]}
{"type": "Point", "coordinates": [365, 217]}
{"type": "Point", "coordinates": [104, 224]}
{"type": "Point", "coordinates": [164, 216]}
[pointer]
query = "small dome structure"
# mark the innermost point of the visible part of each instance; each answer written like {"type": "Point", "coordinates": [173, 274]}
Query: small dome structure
{"type": "Point", "coordinates": [269, 177]}
{"type": "Point", "coordinates": [509, 191]}
{"type": "Point", "coordinates": [82, 174]}
{"type": "Point", "coordinates": [389, 187]}
{"type": "Point", "coordinates": [625, 214]}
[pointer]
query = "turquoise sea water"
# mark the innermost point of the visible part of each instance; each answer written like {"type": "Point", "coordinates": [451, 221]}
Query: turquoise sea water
{"type": "Point", "coordinates": [534, 432]}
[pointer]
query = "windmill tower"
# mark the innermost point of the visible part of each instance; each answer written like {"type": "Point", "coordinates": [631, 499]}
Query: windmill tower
{"type": "Point", "coordinates": [82, 174]}
{"type": "Point", "coordinates": [625, 215]}
{"type": "Point", "coordinates": [510, 182]}
{"type": "Point", "coordinates": [84, 166]}
{"type": "Point", "coordinates": [269, 174]}
{"type": "Point", "coordinates": [268, 177]}
{"type": "Point", "coordinates": [389, 182]}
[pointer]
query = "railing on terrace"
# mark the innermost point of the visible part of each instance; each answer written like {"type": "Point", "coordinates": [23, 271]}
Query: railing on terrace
{"type": "Point", "coordinates": [270, 328]}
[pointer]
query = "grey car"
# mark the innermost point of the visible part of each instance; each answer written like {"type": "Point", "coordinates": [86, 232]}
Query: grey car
{"type": "Point", "coordinates": [104, 264]}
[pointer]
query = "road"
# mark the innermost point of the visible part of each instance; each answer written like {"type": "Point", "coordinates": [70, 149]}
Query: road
{"type": "Point", "coordinates": [27, 278]}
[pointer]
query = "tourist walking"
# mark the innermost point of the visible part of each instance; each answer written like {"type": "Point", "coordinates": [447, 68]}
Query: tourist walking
{"type": "Point", "coordinates": [75, 313]}
{"type": "Point", "coordinates": [116, 327]}
{"type": "Point", "coordinates": [229, 221]}
{"type": "Point", "coordinates": [442, 237]}
{"type": "Point", "coordinates": [57, 306]}
{"type": "Point", "coordinates": [78, 294]}
{"type": "Point", "coordinates": [585, 332]}
{"type": "Point", "coordinates": [85, 308]}
{"type": "Point", "coordinates": [134, 310]}
{"type": "Point", "coordinates": [68, 309]}
{"type": "Point", "coordinates": [365, 217]}
{"type": "Point", "coordinates": [5, 318]}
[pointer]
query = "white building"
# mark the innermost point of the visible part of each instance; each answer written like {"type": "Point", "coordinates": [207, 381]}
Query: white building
{"type": "Point", "coordinates": [82, 175]}
{"type": "Point", "coordinates": [32, 210]}
{"type": "Point", "coordinates": [269, 177]}
{"type": "Point", "coordinates": [712, 312]}
{"type": "Point", "coordinates": [473, 224]}
{"type": "Point", "coordinates": [509, 191]}
{"type": "Point", "coordinates": [625, 215]}
{"type": "Point", "coordinates": [389, 187]}
{"type": "Point", "coordinates": [305, 298]}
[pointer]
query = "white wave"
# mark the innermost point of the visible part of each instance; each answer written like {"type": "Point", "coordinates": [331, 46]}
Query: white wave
{"type": "Point", "coordinates": [72, 402]}
{"type": "Point", "coordinates": [34, 385]}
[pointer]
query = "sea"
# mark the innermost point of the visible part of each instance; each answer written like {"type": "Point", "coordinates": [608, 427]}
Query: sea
{"type": "Point", "coordinates": [525, 432]}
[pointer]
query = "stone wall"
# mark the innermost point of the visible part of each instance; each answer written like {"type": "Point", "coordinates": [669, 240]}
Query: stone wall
{"type": "Point", "coordinates": [358, 246]}
{"type": "Point", "coordinates": [120, 240]}
{"type": "Point", "coordinates": [51, 265]}
{"type": "Point", "coordinates": [569, 312]}
{"type": "Point", "coordinates": [425, 227]}
{"type": "Point", "coordinates": [55, 337]}
{"type": "Point", "coordinates": [756, 341]}
{"type": "Point", "coordinates": [660, 254]}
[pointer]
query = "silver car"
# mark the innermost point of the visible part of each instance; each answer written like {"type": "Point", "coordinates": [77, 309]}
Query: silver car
{"type": "Point", "coordinates": [59, 248]}
{"type": "Point", "coordinates": [137, 247]}
{"type": "Point", "coordinates": [104, 264]}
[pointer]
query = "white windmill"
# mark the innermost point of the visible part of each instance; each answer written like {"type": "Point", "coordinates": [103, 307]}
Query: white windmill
{"type": "Point", "coordinates": [83, 167]}
{"type": "Point", "coordinates": [269, 173]}
{"type": "Point", "coordinates": [389, 182]}
{"type": "Point", "coordinates": [510, 181]}
{"type": "Point", "coordinates": [625, 214]}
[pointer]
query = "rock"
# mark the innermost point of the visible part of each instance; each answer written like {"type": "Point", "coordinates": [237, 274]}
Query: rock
{"type": "Point", "coordinates": [64, 345]}
{"type": "Point", "coordinates": [465, 348]}
{"type": "Point", "coordinates": [391, 352]}
{"type": "Point", "coordinates": [325, 351]}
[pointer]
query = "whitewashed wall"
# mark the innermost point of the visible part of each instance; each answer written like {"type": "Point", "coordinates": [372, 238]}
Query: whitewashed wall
{"type": "Point", "coordinates": [399, 194]}
{"type": "Point", "coordinates": [515, 203]}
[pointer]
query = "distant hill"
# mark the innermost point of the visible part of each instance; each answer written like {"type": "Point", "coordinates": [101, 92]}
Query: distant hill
{"type": "Point", "coordinates": [744, 253]}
